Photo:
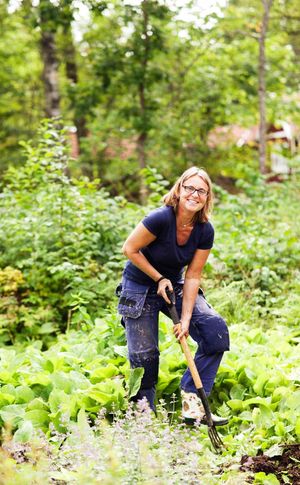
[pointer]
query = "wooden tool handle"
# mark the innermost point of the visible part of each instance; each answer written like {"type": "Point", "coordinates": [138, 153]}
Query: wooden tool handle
{"type": "Point", "coordinates": [184, 345]}
{"type": "Point", "coordinates": [191, 363]}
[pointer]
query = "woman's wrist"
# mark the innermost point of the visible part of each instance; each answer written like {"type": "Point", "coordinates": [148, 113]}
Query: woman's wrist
{"type": "Point", "coordinates": [160, 279]}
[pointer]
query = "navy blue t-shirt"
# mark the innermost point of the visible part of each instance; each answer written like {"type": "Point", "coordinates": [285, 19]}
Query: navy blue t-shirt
{"type": "Point", "coordinates": [164, 253]}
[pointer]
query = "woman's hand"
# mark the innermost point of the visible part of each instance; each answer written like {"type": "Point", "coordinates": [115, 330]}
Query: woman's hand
{"type": "Point", "coordinates": [162, 286]}
{"type": "Point", "coordinates": [181, 329]}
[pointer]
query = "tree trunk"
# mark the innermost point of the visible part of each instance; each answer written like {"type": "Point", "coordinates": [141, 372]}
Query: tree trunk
{"type": "Point", "coordinates": [143, 135]}
{"type": "Point", "coordinates": [72, 74]}
{"type": "Point", "coordinates": [50, 75]}
{"type": "Point", "coordinates": [262, 86]}
{"type": "Point", "coordinates": [50, 63]}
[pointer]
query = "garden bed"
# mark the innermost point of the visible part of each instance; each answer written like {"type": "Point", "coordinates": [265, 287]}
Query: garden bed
{"type": "Point", "coordinates": [285, 466]}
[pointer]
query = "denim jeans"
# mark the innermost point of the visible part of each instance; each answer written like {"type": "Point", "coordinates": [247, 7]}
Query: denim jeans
{"type": "Point", "coordinates": [139, 306]}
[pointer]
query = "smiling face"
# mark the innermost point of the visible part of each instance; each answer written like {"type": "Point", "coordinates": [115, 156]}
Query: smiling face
{"type": "Point", "coordinates": [186, 201]}
{"type": "Point", "coordinates": [189, 201]}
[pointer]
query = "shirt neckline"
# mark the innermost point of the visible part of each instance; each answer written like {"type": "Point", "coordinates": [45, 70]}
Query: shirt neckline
{"type": "Point", "coordinates": [175, 231]}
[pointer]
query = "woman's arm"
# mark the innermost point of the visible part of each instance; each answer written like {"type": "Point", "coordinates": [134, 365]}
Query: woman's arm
{"type": "Point", "coordinates": [190, 290]}
{"type": "Point", "coordinates": [138, 239]}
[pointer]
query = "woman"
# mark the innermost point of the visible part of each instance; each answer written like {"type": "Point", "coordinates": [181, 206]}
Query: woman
{"type": "Point", "coordinates": [170, 238]}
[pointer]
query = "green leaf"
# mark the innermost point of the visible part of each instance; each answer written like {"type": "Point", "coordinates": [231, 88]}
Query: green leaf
{"type": "Point", "coordinates": [48, 366]}
{"type": "Point", "coordinates": [259, 384]}
{"type": "Point", "coordinates": [38, 378]}
{"type": "Point", "coordinates": [235, 404]}
{"type": "Point", "coordinates": [280, 429]}
{"type": "Point", "coordinates": [56, 398]}
{"type": "Point", "coordinates": [275, 450]}
{"type": "Point", "coordinates": [258, 400]}
{"type": "Point", "coordinates": [24, 433]}
{"type": "Point", "coordinates": [237, 392]}
{"type": "Point", "coordinates": [103, 372]}
{"type": "Point", "coordinates": [262, 478]}
{"type": "Point", "coordinates": [108, 393]}
{"type": "Point", "coordinates": [134, 382]}
{"type": "Point", "coordinates": [6, 399]}
{"type": "Point", "coordinates": [121, 350]}
{"type": "Point", "coordinates": [297, 427]}
{"type": "Point", "coordinates": [39, 418]}
{"type": "Point", "coordinates": [24, 394]}
{"type": "Point", "coordinates": [13, 414]}
{"type": "Point", "coordinates": [37, 403]}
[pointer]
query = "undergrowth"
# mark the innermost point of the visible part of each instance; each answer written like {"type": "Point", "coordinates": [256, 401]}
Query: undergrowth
{"type": "Point", "coordinates": [65, 380]}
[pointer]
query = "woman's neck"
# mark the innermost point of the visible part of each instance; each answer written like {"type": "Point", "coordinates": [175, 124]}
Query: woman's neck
{"type": "Point", "coordinates": [184, 219]}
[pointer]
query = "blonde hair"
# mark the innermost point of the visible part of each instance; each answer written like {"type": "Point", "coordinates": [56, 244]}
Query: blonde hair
{"type": "Point", "coordinates": [172, 197]}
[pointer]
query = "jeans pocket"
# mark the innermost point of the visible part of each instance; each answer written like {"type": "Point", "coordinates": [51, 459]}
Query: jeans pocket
{"type": "Point", "coordinates": [131, 302]}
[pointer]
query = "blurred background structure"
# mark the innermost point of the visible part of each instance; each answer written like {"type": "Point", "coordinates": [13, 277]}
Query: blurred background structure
{"type": "Point", "coordinates": [154, 83]}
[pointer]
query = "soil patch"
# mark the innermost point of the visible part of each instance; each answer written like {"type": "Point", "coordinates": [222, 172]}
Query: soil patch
{"type": "Point", "coordinates": [286, 467]}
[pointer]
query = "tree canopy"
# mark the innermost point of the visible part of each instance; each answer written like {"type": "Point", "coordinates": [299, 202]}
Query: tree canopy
{"type": "Point", "coordinates": [144, 84]}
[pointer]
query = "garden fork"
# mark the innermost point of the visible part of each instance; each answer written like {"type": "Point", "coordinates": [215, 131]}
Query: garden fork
{"type": "Point", "coordinates": [212, 432]}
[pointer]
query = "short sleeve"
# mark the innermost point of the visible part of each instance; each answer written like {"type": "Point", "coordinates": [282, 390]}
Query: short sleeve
{"type": "Point", "coordinates": [156, 220]}
{"type": "Point", "coordinates": [207, 236]}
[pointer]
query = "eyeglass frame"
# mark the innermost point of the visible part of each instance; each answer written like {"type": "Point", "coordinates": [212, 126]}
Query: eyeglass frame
{"type": "Point", "coordinates": [191, 190]}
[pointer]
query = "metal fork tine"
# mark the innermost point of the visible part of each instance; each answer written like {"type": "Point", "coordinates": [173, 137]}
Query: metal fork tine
{"type": "Point", "coordinates": [215, 438]}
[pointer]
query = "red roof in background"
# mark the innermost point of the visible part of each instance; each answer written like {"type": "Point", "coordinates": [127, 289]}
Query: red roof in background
{"type": "Point", "coordinates": [226, 136]}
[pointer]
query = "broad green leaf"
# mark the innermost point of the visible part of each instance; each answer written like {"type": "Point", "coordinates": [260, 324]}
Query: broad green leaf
{"type": "Point", "coordinates": [56, 399]}
{"type": "Point", "coordinates": [69, 381]}
{"type": "Point", "coordinates": [237, 392]}
{"type": "Point", "coordinates": [261, 478]}
{"type": "Point", "coordinates": [7, 376]}
{"type": "Point", "coordinates": [8, 389]}
{"type": "Point", "coordinates": [13, 414]}
{"type": "Point", "coordinates": [235, 404]}
{"type": "Point", "coordinates": [297, 427]}
{"type": "Point", "coordinates": [24, 433]}
{"type": "Point", "coordinates": [48, 366]}
{"type": "Point", "coordinates": [280, 429]}
{"type": "Point", "coordinates": [293, 402]}
{"type": "Point", "coordinates": [134, 382]}
{"type": "Point", "coordinates": [108, 393]}
{"type": "Point", "coordinates": [24, 394]}
{"type": "Point", "coordinates": [6, 399]}
{"type": "Point", "coordinates": [38, 417]}
{"type": "Point", "coordinates": [258, 385]}
{"type": "Point", "coordinates": [82, 419]}
{"type": "Point", "coordinates": [37, 403]}
{"type": "Point", "coordinates": [263, 417]}
{"type": "Point", "coordinates": [48, 327]}
{"type": "Point", "coordinates": [266, 401]}
{"type": "Point", "coordinates": [38, 378]}
{"type": "Point", "coordinates": [104, 372]}
{"type": "Point", "coordinates": [121, 350]}
{"type": "Point", "coordinates": [275, 450]}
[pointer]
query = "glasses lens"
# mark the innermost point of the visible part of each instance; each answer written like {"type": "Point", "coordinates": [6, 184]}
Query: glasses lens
{"type": "Point", "coordinates": [189, 189]}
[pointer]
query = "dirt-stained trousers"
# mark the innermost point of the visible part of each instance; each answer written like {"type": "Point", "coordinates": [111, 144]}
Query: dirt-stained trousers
{"type": "Point", "coordinates": [139, 306]}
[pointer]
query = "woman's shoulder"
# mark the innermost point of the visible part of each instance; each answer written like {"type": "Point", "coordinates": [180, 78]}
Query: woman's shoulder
{"type": "Point", "coordinates": [164, 212]}
{"type": "Point", "coordinates": [206, 226]}
{"type": "Point", "coordinates": [206, 235]}
{"type": "Point", "coordinates": [158, 219]}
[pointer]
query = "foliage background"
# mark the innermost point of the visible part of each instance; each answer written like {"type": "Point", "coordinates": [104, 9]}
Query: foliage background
{"type": "Point", "coordinates": [144, 103]}
{"type": "Point", "coordinates": [145, 82]}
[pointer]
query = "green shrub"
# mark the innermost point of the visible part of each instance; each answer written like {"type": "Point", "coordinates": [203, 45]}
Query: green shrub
{"type": "Point", "coordinates": [63, 237]}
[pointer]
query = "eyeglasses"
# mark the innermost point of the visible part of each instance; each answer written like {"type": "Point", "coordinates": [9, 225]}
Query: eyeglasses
{"type": "Point", "coordinates": [191, 190]}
